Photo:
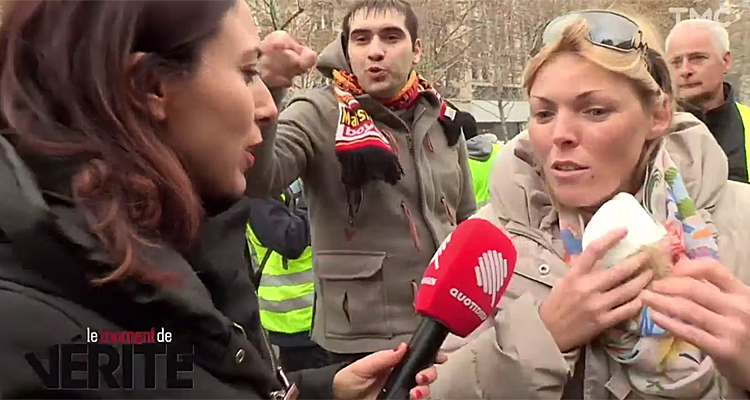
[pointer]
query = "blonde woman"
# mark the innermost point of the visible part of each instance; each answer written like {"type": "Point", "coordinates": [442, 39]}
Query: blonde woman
{"type": "Point", "coordinates": [603, 123]}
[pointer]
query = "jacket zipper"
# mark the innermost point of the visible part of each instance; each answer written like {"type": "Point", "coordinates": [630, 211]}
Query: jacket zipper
{"type": "Point", "coordinates": [410, 141]}
{"type": "Point", "coordinates": [419, 114]}
{"type": "Point", "coordinates": [277, 370]}
{"type": "Point", "coordinates": [267, 343]}
{"type": "Point", "coordinates": [447, 211]}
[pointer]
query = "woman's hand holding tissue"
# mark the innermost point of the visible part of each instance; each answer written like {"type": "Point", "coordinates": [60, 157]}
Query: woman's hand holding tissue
{"type": "Point", "coordinates": [704, 304]}
{"type": "Point", "coordinates": [590, 298]}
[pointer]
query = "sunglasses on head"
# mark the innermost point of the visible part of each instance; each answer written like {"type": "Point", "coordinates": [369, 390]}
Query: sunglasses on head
{"type": "Point", "coordinates": [606, 29]}
{"type": "Point", "coordinates": [609, 30]}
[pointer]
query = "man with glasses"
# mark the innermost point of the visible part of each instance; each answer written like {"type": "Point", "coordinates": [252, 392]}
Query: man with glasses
{"type": "Point", "coordinates": [698, 51]}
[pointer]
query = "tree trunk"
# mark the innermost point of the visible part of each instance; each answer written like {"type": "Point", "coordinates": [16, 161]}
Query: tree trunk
{"type": "Point", "coordinates": [501, 113]}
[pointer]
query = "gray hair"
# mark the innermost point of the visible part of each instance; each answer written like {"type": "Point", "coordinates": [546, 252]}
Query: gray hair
{"type": "Point", "coordinates": [718, 33]}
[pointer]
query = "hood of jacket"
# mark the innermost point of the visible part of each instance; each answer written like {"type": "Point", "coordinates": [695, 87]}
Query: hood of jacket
{"type": "Point", "coordinates": [480, 147]}
{"type": "Point", "coordinates": [333, 57]}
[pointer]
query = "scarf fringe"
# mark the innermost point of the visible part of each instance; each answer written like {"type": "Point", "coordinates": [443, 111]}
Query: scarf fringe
{"type": "Point", "coordinates": [369, 164]}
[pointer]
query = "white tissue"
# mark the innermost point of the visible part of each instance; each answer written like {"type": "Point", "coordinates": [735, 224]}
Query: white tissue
{"type": "Point", "coordinates": [623, 210]}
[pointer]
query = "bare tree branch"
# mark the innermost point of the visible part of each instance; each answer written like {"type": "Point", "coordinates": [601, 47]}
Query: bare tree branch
{"type": "Point", "coordinates": [466, 32]}
{"type": "Point", "coordinates": [461, 22]}
{"type": "Point", "coordinates": [299, 11]}
{"type": "Point", "coordinates": [445, 65]}
{"type": "Point", "coordinates": [271, 6]}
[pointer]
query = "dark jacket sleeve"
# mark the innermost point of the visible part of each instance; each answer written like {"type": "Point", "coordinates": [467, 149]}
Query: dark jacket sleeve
{"type": "Point", "coordinates": [278, 228]}
{"type": "Point", "coordinates": [316, 384]}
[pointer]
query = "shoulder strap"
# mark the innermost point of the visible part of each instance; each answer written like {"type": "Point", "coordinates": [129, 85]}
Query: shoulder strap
{"type": "Point", "coordinates": [259, 273]}
{"type": "Point", "coordinates": [255, 275]}
{"type": "Point", "coordinates": [264, 261]}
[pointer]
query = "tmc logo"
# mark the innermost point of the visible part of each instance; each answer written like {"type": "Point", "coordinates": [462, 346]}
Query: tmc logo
{"type": "Point", "coordinates": [721, 15]}
{"type": "Point", "coordinates": [491, 273]}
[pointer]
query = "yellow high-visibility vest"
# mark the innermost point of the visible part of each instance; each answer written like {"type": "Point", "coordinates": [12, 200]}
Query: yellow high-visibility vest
{"type": "Point", "coordinates": [745, 116]}
{"type": "Point", "coordinates": [286, 289]}
{"type": "Point", "coordinates": [480, 175]}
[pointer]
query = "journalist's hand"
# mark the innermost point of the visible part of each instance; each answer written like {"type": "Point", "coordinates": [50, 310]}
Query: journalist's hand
{"type": "Point", "coordinates": [364, 379]}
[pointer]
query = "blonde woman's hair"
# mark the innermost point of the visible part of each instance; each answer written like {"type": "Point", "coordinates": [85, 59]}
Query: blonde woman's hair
{"type": "Point", "coordinates": [574, 39]}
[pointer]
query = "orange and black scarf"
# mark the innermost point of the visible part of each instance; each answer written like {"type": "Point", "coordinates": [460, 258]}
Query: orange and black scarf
{"type": "Point", "coordinates": [365, 153]}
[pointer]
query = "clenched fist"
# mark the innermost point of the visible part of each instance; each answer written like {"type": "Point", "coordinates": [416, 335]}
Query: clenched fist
{"type": "Point", "coordinates": [282, 59]}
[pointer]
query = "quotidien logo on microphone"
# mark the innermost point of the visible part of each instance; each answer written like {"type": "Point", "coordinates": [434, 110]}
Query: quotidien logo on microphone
{"type": "Point", "coordinates": [106, 359]}
{"type": "Point", "coordinates": [491, 273]}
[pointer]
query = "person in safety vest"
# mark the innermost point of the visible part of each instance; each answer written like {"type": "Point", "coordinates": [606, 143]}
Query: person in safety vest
{"type": "Point", "coordinates": [699, 54]}
{"type": "Point", "coordinates": [278, 237]}
{"type": "Point", "coordinates": [482, 150]}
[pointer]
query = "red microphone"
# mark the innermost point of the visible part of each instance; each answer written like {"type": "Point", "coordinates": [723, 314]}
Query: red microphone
{"type": "Point", "coordinates": [460, 289]}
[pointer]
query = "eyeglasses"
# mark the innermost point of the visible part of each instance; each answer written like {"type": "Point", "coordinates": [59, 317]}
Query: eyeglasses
{"type": "Point", "coordinates": [612, 31]}
{"type": "Point", "coordinates": [606, 29]}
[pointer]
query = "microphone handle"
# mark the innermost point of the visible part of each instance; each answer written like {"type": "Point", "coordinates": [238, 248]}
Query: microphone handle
{"type": "Point", "coordinates": [420, 354]}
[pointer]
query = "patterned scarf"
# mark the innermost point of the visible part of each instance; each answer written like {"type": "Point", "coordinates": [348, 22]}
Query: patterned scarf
{"type": "Point", "coordinates": [365, 152]}
{"type": "Point", "coordinates": [654, 362]}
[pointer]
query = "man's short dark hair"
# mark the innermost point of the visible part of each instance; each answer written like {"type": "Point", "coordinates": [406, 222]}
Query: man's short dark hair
{"type": "Point", "coordinates": [372, 6]}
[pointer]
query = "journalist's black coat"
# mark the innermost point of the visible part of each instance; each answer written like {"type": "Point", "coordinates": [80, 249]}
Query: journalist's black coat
{"type": "Point", "coordinates": [46, 298]}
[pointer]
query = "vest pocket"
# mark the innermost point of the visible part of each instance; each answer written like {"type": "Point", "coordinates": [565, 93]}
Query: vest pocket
{"type": "Point", "coordinates": [352, 293]}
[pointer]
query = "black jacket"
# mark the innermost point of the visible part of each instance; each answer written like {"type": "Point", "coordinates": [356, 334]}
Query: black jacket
{"type": "Point", "coordinates": [725, 124]}
{"type": "Point", "coordinates": [46, 299]}
{"type": "Point", "coordinates": [281, 225]}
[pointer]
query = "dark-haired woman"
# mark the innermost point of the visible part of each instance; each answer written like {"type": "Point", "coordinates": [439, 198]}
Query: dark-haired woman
{"type": "Point", "coordinates": [129, 127]}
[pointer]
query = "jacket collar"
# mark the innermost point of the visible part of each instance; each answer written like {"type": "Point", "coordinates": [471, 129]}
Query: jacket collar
{"type": "Point", "coordinates": [729, 100]}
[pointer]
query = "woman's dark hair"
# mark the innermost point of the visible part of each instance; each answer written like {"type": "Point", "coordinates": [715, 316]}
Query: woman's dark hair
{"type": "Point", "coordinates": [66, 93]}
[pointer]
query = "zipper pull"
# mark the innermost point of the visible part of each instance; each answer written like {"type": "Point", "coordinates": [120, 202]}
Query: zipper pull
{"type": "Point", "coordinates": [282, 377]}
